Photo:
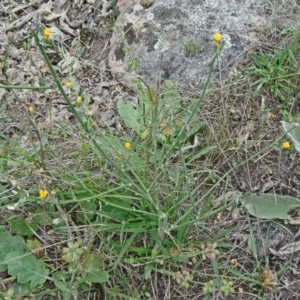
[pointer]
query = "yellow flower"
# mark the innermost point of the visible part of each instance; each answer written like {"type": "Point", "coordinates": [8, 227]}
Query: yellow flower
{"type": "Point", "coordinates": [31, 109]}
{"type": "Point", "coordinates": [78, 100]}
{"type": "Point", "coordinates": [43, 193]}
{"type": "Point", "coordinates": [127, 145]}
{"type": "Point", "coordinates": [286, 145]}
{"type": "Point", "coordinates": [69, 84]}
{"type": "Point", "coordinates": [217, 38]}
{"type": "Point", "coordinates": [47, 32]}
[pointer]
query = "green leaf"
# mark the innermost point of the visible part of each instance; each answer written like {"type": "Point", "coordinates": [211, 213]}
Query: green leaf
{"type": "Point", "coordinates": [89, 259]}
{"type": "Point", "coordinates": [22, 227]}
{"type": "Point", "coordinates": [195, 129]}
{"type": "Point", "coordinates": [87, 212]}
{"type": "Point", "coordinates": [270, 206]}
{"type": "Point", "coordinates": [110, 144]}
{"type": "Point", "coordinates": [34, 244]}
{"type": "Point", "coordinates": [18, 260]}
{"type": "Point", "coordinates": [10, 243]}
{"type": "Point", "coordinates": [96, 275]}
{"type": "Point", "coordinates": [43, 218]}
{"type": "Point", "coordinates": [170, 101]}
{"type": "Point", "coordinates": [260, 61]}
{"type": "Point", "coordinates": [202, 152]}
{"type": "Point", "coordinates": [144, 134]}
{"type": "Point", "coordinates": [259, 86]}
{"type": "Point", "coordinates": [62, 286]}
{"type": "Point", "coordinates": [148, 270]}
{"type": "Point", "coordinates": [26, 268]}
{"type": "Point", "coordinates": [293, 131]}
{"type": "Point", "coordinates": [174, 173]}
{"type": "Point", "coordinates": [131, 116]}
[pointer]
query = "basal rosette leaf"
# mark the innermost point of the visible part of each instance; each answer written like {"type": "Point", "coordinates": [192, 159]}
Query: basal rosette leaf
{"type": "Point", "coordinates": [9, 243]}
{"type": "Point", "coordinates": [270, 206]}
{"type": "Point", "coordinates": [293, 131]}
{"type": "Point", "coordinates": [26, 268]}
{"type": "Point", "coordinates": [132, 117]}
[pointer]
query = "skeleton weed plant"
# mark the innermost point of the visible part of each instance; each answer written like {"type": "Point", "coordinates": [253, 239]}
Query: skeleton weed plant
{"type": "Point", "coordinates": [147, 195]}
{"type": "Point", "coordinates": [143, 205]}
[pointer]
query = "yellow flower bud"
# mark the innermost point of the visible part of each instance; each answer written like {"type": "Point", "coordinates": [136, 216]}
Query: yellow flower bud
{"type": "Point", "coordinates": [31, 109]}
{"type": "Point", "coordinates": [47, 33]}
{"type": "Point", "coordinates": [127, 145]}
{"type": "Point", "coordinates": [69, 84]}
{"type": "Point", "coordinates": [43, 193]}
{"type": "Point", "coordinates": [286, 145]}
{"type": "Point", "coordinates": [78, 100]}
{"type": "Point", "coordinates": [217, 38]}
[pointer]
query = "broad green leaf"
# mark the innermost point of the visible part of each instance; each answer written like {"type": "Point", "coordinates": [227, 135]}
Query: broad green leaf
{"type": "Point", "coordinates": [26, 268]}
{"type": "Point", "coordinates": [170, 100]}
{"type": "Point", "coordinates": [131, 116]}
{"type": "Point", "coordinates": [96, 275]}
{"type": "Point", "coordinates": [16, 258]}
{"type": "Point", "coordinates": [90, 259]}
{"type": "Point", "coordinates": [43, 218]}
{"type": "Point", "coordinates": [174, 173]}
{"type": "Point", "coordinates": [114, 146]}
{"type": "Point", "coordinates": [22, 227]}
{"type": "Point", "coordinates": [270, 206]}
{"type": "Point", "coordinates": [111, 144]}
{"type": "Point", "coordinates": [293, 131]}
{"type": "Point", "coordinates": [148, 270]}
{"type": "Point", "coordinates": [144, 134]}
{"type": "Point", "coordinates": [9, 243]}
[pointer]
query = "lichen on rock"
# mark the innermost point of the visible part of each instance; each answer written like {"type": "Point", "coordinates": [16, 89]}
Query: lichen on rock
{"type": "Point", "coordinates": [163, 30]}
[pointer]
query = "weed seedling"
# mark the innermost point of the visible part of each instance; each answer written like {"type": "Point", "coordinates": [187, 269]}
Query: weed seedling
{"type": "Point", "coordinates": [191, 47]}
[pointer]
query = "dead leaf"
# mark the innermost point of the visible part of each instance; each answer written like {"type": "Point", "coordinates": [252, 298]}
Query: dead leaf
{"type": "Point", "coordinates": [227, 197]}
{"type": "Point", "coordinates": [167, 131]}
{"type": "Point", "coordinates": [287, 249]}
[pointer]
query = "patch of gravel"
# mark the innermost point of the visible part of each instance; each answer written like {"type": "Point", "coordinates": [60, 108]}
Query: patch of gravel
{"type": "Point", "coordinates": [80, 34]}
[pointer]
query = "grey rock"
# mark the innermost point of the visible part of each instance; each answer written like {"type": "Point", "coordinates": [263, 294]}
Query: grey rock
{"type": "Point", "coordinates": [268, 235]}
{"type": "Point", "coordinates": [161, 35]}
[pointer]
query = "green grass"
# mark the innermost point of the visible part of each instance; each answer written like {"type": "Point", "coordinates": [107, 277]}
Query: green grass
{"type": "Point", "coordinates": [278, 73]}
